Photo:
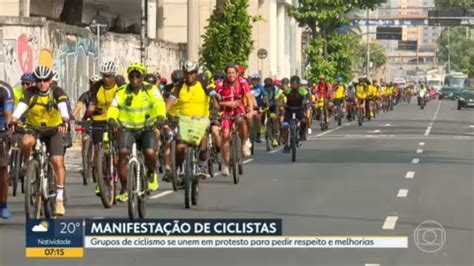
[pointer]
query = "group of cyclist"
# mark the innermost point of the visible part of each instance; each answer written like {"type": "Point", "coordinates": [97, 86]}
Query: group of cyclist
{"type": "Point", "coordinates": [140, 111]}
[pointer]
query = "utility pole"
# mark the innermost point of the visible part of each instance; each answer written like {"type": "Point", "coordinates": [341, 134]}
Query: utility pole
{"type": "Point", "coordinates": [143, 32]}
{"type": "Point", "coordinates": [367, 70]}
{"type": "Point", "coordinates": [449, 50]}
{"type": "Point", "coordinates": [193, 30]}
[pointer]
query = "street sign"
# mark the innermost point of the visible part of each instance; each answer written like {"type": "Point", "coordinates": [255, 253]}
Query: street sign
{"type": "Point", "coordinates": [407, 45]}
{"type": "Point", "coordinates": [389, 33]}
{"type": "Point", "coordinates": [262, 53]}
{"type": "Point", "coordinates": [446, 17]}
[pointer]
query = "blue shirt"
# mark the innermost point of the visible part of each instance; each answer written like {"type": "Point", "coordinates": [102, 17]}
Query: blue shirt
{"type": "Point", "coordinates": [259, 92]}
{"type": "Point", "coordinates": [6, 102]}
{"type": "Point", "coordinates": [272, 95]}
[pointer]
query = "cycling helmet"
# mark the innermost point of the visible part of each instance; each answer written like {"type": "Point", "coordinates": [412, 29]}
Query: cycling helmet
{"type": "Point", "coordinates": [163, 80]}
{"type": "Point", "coordinates": [255, 76]}
{"type": "Point", "coordinates": [43, 72]}
{"type": "Point", "coordinates": [28, 77]}
{"type": "Point", "coordinates": [322, 76]}
{"type": "Point", "coordinates": [277, 82]}
{"type": "Point", "coordinates": [295, 80]}
{"type": "Point", "coordinates": [219, 75]}
{"type": "Point", "coordinates": [177, 76]}
{"type": "Point", "coordinates": [268, 82]}
{"type": "Point", "coordinates": [120, 80]}
{"type": "Point", "coordinates": [150, 78]}
{"type": "Point", "coordinates": [234, 66]}
{"type": "Point", "coordinates": [190, 66]}
{"type": "Point", "coordinates": [339, 79]}
{"type": "Point", "coordinates": [136, 67]}
{"type": "Point", "coordinates": [285, 81]}
{"type": "Point", "coordinates": [107, 67]}
{"type": "Point", "coordinates": [94, 78]}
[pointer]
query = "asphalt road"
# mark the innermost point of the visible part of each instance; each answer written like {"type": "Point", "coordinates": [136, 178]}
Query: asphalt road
{"type": "Point", "coordinates": [412, 165]}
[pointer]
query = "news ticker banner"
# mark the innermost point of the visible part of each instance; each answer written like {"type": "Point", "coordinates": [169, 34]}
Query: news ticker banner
{"type": "Point", "coordinates": [68, 238]}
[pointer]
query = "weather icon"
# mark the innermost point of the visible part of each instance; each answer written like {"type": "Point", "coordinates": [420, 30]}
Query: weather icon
{"type": "Point", "coordinates": [42, 227]}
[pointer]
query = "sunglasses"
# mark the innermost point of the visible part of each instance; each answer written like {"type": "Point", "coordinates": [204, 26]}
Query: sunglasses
{"type": "Point", "coordinates": [189, 73]}
{"type": "Point", "coordinates": [44, 80]}
{"type": "Point", "coordinates": [108, 76]}
{"type": "Point", "coordinates": [26, 84]}
{"type": "Point", "coordinates": [135, 76]}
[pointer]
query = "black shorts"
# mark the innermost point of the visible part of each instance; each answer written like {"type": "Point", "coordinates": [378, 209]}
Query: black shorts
{"type": "Point", "coordinates": [98, 129]}
{"type": "Point", "coordinates": [5, 143]}
{"type": "Point", "coordinates": [289, 114]}
{"type": "Point", "coordinates": [146, 139]}
{"type": "Point", "coordinates": [54, 141]}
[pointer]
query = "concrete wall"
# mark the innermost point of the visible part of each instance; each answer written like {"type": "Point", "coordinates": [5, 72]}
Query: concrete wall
{"type": "Point", "coordinates": [72, 51]}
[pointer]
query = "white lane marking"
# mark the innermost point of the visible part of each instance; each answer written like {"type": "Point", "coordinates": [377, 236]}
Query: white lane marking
{"type": "Point", "coordinates": [419, 151]}
{"type": "Point", "coordinates": [374, 131]}
{"type": "Point", "coordinates": [430, 124]}
{"type": "Point", "coordinates": [421, 144]}
{"type": "Point", "coordinates": [348, 124]}
{"type": "Point", "coordinates": [471, 126]}
{"type": "Point", "coordinates": [410, 174]}
{"type": "Point", "coordinates": [372, 264]}
{"type": "Point", "coordinates": [390, 223]}
{"type": "Point", "coordinates": [415, 160]}
{"type": "Point", "coordinates": [437, 111]}
{"type": "Point", "coordinates": [402, 193]}
{"type": "Point", "coordinates": [387, 125]}
{"type": "Point", "coordinates": [327, 132]}
{"type": "Point", "coordinates": [162, 194]}
{"type": "Point", "coordinates": [274, 151]}
{"type": "Point", "coordinates": [428, 130]}
{"type": "Point", "coordinates": [247, 161]}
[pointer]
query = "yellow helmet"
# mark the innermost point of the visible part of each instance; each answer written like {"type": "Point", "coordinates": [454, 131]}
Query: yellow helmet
{"type": "Point", "coordinates": [136, 67]}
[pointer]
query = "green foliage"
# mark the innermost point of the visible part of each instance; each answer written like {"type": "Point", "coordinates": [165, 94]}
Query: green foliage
{"type": "Point", "coordinates": [228, 37]}
{"type": "Point", "coordinates": [461, 51]}
{"type": "Point", "coordinates": [377, 55]}
{"type": "Point", "coordinates": [455, 3]}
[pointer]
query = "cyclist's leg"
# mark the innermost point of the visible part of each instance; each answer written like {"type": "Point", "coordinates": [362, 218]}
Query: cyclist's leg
{"type": "Point", "coordinates": [148, 143]}
{"type": "Point", "coordinates": [285, 127]}
{"type": "Point", "coordinates": [259, 117]}
{"type": "Point", "coordinates": [55, 146]}
{"type": "Point", "coordinates": [4, 161]}
{"type": "Point", "coordinates": [27, 143]}
{"type": "Point", "coordinates": [225, 144]}
{"type": "Point", "coordinates": [216, 135]}
{"type": "Point", "coordinates": [243, 134]}
{"type": "Point", "coordinates": [126, 140]}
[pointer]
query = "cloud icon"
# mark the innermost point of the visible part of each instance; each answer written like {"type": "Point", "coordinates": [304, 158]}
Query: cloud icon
{"type": "Point", "coordinates": [42, 227]}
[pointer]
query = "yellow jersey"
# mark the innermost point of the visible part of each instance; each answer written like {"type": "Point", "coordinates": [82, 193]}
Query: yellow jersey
{"type": "Point", "coordinates": [361, 93]}
{"type": "Point", "coordinates": [190, 100]}
{"type": "Point", "coordinates": [43, 107]}
{"type": "Point", "coordinates": [101, 98]}
{"type": "Point", "coordinates": [340, 92]}
{"type": "Point", "coordinates": [372, 91]}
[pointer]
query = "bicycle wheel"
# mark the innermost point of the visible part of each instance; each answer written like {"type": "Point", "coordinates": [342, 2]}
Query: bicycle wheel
{"type": "Point", "coordinates": [188, 177]}
{"type": "Point", "coordinates": [142, 194]}
{"type": "Point", "coordinates": [235, 158]}
{"type": "Point", "coordinates": [15, 170]}
{"type": "Point", "coordinates": [50, 201]}
{"type": "Point", "coordinates": [269, 135]}
{"type": "Point", "coordinates": [195, 191]}
{"type": "Point", "coordinates": [104, 178]}
{"type": "Point", "coordinates": [293, 137]}
{"type": "Point", "coordinates": [211, 160]}
{"type": "Point", "coordinates": [33, 198]}
{"type": "Point", "coordinates": [86, 161]}
{"type": "Point", "coordinates": [174, 172]}
{"type": "Point", "coordinates": [132, 190]}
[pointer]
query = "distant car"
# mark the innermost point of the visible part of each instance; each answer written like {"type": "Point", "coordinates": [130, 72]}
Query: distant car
{"type": "Point", "coordinates": [449, 93]}
{"type": "Point", "coordinates": [466, 99]}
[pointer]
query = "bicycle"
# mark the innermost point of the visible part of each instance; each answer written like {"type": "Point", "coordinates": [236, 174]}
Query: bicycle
{"type": "Point", "coordinates": [339, 114]}
{"type": "Point", "coordinates": [191, 131]}
{"type": "Point", "coordinates": [87, 172]}
{"type": "Point", "coordinates": [16, 174]}
{"type": "Point", "coordinates": [253, 134]}
{"type": "Point", "coordinates": [322, 115]}
{"type": "Point", "coordinates": [270, 117]}
{"type": "Point", "coordinates": [236, 151]}
{"type": "Point", "coordinates": [105, 169]}
{"type": "Point", "coordinates": [40, 183]}
{"type": "Point", "coordinates": [294, 131]}
{"type": "Point", "coordinates": [360, 111]}
{"type": "Point", "coordinates": [170, 137]}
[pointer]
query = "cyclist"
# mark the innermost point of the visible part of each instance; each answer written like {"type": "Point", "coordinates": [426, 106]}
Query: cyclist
{"type": "Point", "coordinates": [151, 79]}
{"type": "Point", "coordinates": [47, 109]}
{"type": "Point", "coordinates": [339, 93]}
{"type": "Point", "coordinates": [323, 92]}
{"type": "Point", "coordinates": [190, 98]}
{"type": "Point", "coordinates": [361, 94]}
{"type": "Point", "coordinates": [136, 107]}
{"type": "Point", "coordinates": [27, 80]}
{"type": "Point", "coordinates": [233, 90]}
{"type": "Point", "coordinates": [177, 77]}
{"type": "Point", "coordinates": [371, 98]}
{"type": "Point", "coordinates": [258, 92]}
{"type": "Point", "coordinates": [295, 96]}
{"type": "Point", "coordinates": [273, 98]}
{"type": "Point", "coordinates": [6, 101]}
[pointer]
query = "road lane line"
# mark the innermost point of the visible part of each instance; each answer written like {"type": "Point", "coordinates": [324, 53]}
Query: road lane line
{"type": "Point", "coordinates": [402, 193]}
{"type": "Point", "coordinates": [415, 160]}
{"type": "Point", "coordinates": [387, 125]}
{"type": "Point", "coordinates": [390, 223]}
{"type": "Point", "coordinates": [437, 111]}
{"type": "Point", "coordinates": [327, 132]}
{"type": "Point", "coordinates": [419, 151]}
{"type": "Point", "coordinates": [410, 174]}
{"type": "Point", "coordinates": [471, 126]}
{"type": "Point", "coordinates": [247, 161]}
{"type": "Point", "coordinates": [274, 151]}
{"type": "Point", "coordinates": [162, 194]}
{"type": "Point", "coordinates": [372, 264]}
{"type": "Point", "coordinates": [421, 144]}
{"type": "Point", "coordinates": [428, 130]}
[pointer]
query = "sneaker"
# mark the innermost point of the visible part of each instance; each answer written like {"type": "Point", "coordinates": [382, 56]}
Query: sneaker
{"type": "Point", "coordinates": [274, 143]}
{"type": "Point", "coordinates": [225, 171]}
{"type": "Point", "coordinates": [122, 197]}
{"type": "Point", "coordinates": [153, 182]}
{"type": "Point", "coordinates": [286, 149]}
{"type": "Point", "coordinates": [246, 151]}
{"type": "Point", "coordinates": [97, 190]}
{"type": "Point", "coordinates": [248, 144]}
{"type": "Point", "coordinates": [59, 208]}
{"type": "Point", "coordinates": [310, 131]}
{"type": "Point", "coordinates": [167, 176]}
{"type": "Point", "coordinates": [259, 139]}
{"type": "Point", "coordinates": [5, 213]}
{"type": "Point", "coordinates": [201, 170]}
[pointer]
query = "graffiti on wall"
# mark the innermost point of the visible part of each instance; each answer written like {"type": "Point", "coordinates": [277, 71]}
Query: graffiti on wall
{"type": "Point", "coordinates": [16, 56]}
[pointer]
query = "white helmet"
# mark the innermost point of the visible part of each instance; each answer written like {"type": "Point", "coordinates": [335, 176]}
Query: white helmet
{"type": "Point", "coordinates": [107, 67]}
{"type": "Point", "coordinates": [190, 66]}
{"type": "Point", "coordinates": [43, 72]}
{"type": "Point", "coordinates": [94, 78]}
